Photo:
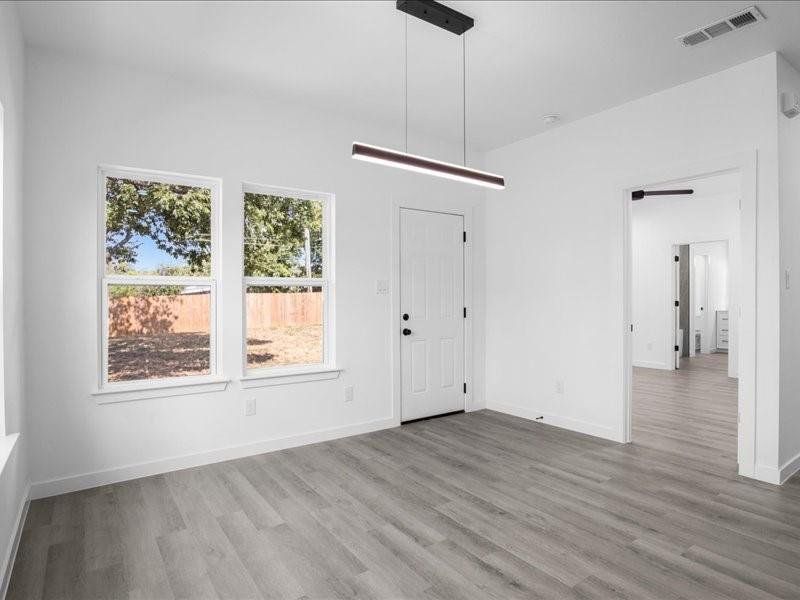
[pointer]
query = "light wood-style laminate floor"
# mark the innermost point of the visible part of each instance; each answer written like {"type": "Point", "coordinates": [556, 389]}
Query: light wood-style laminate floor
{"type": "Point", "coordinates": [479, 505]}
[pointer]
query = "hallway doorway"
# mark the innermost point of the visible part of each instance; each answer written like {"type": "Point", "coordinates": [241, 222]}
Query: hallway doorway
{"type": "Point", "coordinates": [686, 278]}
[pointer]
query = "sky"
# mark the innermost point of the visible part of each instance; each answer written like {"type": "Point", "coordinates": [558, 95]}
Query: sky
{"type": "Point", "coordinates": [149, 257]}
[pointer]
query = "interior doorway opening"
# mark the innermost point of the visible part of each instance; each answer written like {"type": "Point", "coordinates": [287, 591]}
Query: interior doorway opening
{"type": "Point", "coordinates": [702, 301]}
{"type": "Point", "coordinates": [685, 284]}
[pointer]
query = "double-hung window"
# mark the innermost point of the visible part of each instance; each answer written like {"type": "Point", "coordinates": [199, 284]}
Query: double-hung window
{"type": "Point", "coordinates": [158, 268]}
{"type": "Point", "coordinates": [287, 288]}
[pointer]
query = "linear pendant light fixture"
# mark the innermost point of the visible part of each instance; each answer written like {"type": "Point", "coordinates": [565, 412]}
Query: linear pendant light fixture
{"type": "Point", "coordinates": [420, 164]}
{"type": "Point", "coordinates": [455, 22]}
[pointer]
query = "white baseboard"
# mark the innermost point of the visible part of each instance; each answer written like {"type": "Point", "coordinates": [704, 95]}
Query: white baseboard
{"type": "Point", "coordinates": [8, 564]}
{"type": "Point", "coordinates": [767, 474]}
{"type": "Point", "coordinates": [74, 483]}
{"type": "Point", "coordinates": [649, 364]}
{"type": "Point", "coordinates": [789, 468]}
{"type": "Point", "coordinates": [780, 475]}
{"type": "Point", "coordinates": [594, 429]}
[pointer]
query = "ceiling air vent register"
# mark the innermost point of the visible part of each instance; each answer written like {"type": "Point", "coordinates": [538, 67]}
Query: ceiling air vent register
{"type": "Point", "coordinates": [738, 20]}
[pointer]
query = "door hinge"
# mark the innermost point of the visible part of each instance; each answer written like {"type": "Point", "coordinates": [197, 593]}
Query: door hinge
{"type": "Point", "coordinates": [677, 303]}
{"type": "Point", "coordinates": [677, 348]}
{"type": "Point", "coordinates": [677, 259]}
{"type": "Point", "coordinates": [465, 237]}
{"type": "Point", "coordinates": [465, 387]}
{"type": "Point", "coordinates": [465, 312]}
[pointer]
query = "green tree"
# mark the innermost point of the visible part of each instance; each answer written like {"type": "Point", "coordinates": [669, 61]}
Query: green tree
{"type": "Point", "coordinates": [176, 217]}
{"type": "Point", "coordinates": [178, 220]}
{"type": "Point", "coordinates": [275, 236]}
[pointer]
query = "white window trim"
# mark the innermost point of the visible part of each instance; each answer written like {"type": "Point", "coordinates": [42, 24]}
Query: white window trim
{"type": "Point", "coordinates": [327, 369]}
{"type": "Point", "coordinates": [278, 376]}
{"type": "Point", "coordinates": [3, 430]}
{"type": "Point", "coordinates": [174, 386]}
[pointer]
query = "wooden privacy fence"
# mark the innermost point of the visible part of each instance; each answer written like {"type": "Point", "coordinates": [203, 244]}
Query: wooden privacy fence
{"type": "Point", "coordinates": [137, 315]}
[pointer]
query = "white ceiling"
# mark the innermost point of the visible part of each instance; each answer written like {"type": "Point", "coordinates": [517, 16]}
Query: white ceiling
{"type": "Point", "coordinates": [524, 59]}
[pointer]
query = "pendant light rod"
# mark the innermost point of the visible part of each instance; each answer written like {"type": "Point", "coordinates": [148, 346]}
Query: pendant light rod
{"type": "Point", "coordinates": [464, 95]}
{"type": "Point", "coordinates": [455, 22]}
{"type": "Point", "coordinates": [405, 85]}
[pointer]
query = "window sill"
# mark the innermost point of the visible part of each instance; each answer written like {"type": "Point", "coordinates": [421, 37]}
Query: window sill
{"type": "Point", "coordinates": [287, 376]}
{"type": "Point", "coordinates": [159, 389]}
{"type": "Point", "coordinates": [7, 443]}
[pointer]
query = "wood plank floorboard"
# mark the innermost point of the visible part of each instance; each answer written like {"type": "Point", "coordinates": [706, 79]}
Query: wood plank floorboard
{"type": "Point", "coordinates": [476, 505]}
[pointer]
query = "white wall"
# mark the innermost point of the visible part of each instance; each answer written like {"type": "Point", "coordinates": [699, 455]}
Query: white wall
{"type": "Point", "coordinates": [658, 223]}
{"type": "Point", "coordinates": [555, 246]}
{"type": "Point", "coordinates": [82, 114]}
{"type": "Point", "coordinates": [13, 468]}
{"type": "Point", "coordinates": [789, 144]}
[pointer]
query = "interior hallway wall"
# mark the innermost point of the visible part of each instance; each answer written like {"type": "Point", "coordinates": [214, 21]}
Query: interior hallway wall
{"type": "Point", "coordinates": [718, 296]}
{"type": "Point", "coordinates": [685, 301]}
{"type": "Point", "coordinates": [560, 224]}
{"type": "Point", "coordinates": [789, 144]}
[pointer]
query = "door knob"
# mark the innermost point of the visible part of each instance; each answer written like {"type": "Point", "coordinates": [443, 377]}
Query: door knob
{"type": "Point", "coordinates": [406, 331]}
{"type": "Point", "coordinates": [405, 316]}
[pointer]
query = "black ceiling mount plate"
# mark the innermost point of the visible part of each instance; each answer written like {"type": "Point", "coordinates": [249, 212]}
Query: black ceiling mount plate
{"type": "Point", "coordinates": [437, 14]}
{"type": "Point", "coordinates": [639, 194]}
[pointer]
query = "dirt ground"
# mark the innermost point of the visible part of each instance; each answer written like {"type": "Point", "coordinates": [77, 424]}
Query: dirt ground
{"type": "Point", "coordinates": [164, 355]}
{"type": "Point", "coordinates": [288, 345]}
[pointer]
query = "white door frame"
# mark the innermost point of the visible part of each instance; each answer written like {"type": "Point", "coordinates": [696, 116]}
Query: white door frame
{"type": "Point", "coordinates": [746, 164]}
{"type": "Point", "coordinates": [396, 309]}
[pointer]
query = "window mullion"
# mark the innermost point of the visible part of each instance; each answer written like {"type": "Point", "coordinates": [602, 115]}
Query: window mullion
{"type": "Point", "coordinates": [157, 280]}
{"type": "Point", "coordinates": [285, 281]}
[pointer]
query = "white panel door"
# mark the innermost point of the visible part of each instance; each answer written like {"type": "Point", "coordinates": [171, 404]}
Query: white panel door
{"type": "Point", "coordinates": [432, 313]}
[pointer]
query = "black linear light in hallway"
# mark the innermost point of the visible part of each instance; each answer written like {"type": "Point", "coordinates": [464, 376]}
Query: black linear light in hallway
{"type": "Point", "coordinates": [640, 194]}
{"type": "Point", "coordinates": [458, 23]}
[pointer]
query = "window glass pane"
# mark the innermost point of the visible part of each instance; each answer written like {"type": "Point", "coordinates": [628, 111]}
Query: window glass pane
{"type": "Point", "coordinates": [282, 236]}
{"type": "Point", "coordinates": [284, 326]}
{"type": "Point", "coordinates": [157, 228]}
{"type": "Point", "coordinates": [158, 331]}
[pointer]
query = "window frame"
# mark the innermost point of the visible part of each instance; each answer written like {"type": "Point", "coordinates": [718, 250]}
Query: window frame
{"type": "Point", "coordinates": [166, 385]}
{"type": "Point", "coordinates": [252, 377]}
{"type": "Point", "coordinates": [3, 427]}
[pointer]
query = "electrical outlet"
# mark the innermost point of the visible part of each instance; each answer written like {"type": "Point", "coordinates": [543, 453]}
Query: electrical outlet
{"type": "Point", "coordinates": [250, 407]}
{"type": "Point", "coordinates": [348, 393]}
{"type": "Point", "coordinates": [382, 287]}
{"type": "Point", "coordinates": [559, 386]}
{"type": "Point", "coordinates": [649, 346]}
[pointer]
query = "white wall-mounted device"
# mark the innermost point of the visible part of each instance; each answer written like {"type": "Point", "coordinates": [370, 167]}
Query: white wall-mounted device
{"type": "Point", "coordinates": [790, 105]}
